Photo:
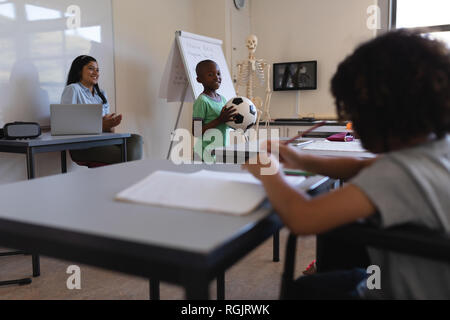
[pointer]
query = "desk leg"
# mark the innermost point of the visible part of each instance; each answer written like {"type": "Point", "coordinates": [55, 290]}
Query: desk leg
{"type": "Point", "coordinates": [196, 287]}
{"type": "Point", "coordinates": [30, 163]}
{"type": "Point", "coordinates": [30, 172]}
{"type": "Point", "coordinates": [154, 289]}
{"type": "Point", "coordinates": [36, 265]}
{"type": "Point", "coordinates": [221, 286]}
{"type": "Point", "coordinates": [63, 162]}
{"type": "Point", "coordinates": [124, 150]}
{"type": "Point", "coordinates": [276, 246]}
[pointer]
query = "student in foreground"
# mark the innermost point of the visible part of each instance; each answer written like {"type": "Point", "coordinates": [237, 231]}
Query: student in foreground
{"type": "Point", "coordinates": [396, 91]}
{"type": "Point", "coordinates": [210, 109]}
{"type": "Point", "coordinates": [82, 88]}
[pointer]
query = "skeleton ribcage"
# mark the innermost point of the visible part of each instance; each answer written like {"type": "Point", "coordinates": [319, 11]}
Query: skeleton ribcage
{"type": "Point", "coordinates": [249, 76]}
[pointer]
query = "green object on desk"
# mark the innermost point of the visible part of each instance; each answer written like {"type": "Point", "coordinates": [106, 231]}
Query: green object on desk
{"type": "Point", "coordinates": [295, 172]}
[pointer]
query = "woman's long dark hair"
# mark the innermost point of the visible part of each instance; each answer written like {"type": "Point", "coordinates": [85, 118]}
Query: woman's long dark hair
{"type": "Point", "coordinates": [75, 73]}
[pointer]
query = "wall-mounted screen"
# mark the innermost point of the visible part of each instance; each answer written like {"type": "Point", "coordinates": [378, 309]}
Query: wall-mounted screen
{"type": "Point", "coordinates": [300, 75]}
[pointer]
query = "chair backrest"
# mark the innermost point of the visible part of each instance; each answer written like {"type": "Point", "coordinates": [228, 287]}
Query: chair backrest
{"type": "Point", "coordinates": [408, 239]}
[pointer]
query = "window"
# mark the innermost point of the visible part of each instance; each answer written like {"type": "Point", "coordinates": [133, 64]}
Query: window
{"type": "Point", "coordinates": [431, 14]}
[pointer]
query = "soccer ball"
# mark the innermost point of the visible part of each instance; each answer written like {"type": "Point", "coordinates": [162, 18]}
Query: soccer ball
{"type": "Point", "coordinates": [245, 116]}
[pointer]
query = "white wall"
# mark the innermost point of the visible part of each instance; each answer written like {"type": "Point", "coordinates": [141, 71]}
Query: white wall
{"type": "Point", "coordinates": [288, 30]}
{"type": "Point", "coordinates": [300, 30]}
{"type": "Point", "coordinates": [144, 33]}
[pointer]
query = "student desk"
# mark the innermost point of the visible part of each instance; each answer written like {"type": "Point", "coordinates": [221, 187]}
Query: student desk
{"type": "Point", "coordinates": [334, 153]}
{"type": "Point", "coordinates": [48, 143]}
{"type": "Point", "coordinates": [75, 217]}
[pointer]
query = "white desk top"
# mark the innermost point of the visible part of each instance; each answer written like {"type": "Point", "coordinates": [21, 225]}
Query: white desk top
{"type": "Point", "coordinates": [84, 202]}
{"type": "Point", "coordinates": [47, 139]}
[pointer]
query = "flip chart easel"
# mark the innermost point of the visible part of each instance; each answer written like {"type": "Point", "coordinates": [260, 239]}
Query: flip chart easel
{"type": "Point", "coordinates": [179, 82]}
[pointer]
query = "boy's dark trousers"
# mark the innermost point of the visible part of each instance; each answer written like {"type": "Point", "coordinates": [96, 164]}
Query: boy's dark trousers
{"type": "Point", "coordinates": [333, 253]}
{"type": "Point", "coordinates": [341, 266]}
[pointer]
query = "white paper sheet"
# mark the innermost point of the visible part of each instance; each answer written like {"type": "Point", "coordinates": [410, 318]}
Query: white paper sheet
{"type": "Point", "coordinates": [212, 191]}
{"type": "Point", "coordinates": [325, 145]}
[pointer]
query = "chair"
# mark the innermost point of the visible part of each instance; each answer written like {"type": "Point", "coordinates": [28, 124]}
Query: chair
{"type": "Point", "coordinates": [91, 164]}
{"type": "Point", "coordinates": [407, 239]}
{"type": "Point", "coordinates": [24, 281]}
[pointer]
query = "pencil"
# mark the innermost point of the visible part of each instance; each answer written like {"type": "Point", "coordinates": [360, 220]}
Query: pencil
{"type": "Point", "coordinates": [307, 131]}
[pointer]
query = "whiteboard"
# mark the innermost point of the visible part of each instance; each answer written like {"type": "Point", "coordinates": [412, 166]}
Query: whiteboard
{"type": "Point", "coordinates": [39, 39]}
{"type": "Point", "coordinates": [186, 52]}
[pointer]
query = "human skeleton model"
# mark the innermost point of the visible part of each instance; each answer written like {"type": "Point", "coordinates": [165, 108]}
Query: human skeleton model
{"type": "Point", "coordinates": [252, 74]}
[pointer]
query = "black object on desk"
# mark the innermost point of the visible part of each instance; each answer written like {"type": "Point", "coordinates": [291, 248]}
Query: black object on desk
{"type": "Point", "coordinates": [21, 130]}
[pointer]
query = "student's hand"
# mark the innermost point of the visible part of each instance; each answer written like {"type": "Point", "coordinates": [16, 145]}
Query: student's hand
{"type": "Point", "coordinates": [263, 167]}
{"type": "Point", "coordinates": [287, 155]}
{"type": "Point", "coordinates": [227, 114]}
{"type": "Point", "coordinates": [110, 121]}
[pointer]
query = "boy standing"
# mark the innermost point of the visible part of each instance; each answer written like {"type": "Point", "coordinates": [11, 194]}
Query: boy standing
{"type": "Point", "coordinates": [209, 108]}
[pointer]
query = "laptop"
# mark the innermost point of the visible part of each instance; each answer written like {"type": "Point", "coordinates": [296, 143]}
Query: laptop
{"type": "Point", "coordinates": [75, 119]}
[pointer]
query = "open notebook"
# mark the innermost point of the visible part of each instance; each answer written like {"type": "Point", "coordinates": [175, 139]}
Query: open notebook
{"type": "Point", "coordinates": [325, 145]}
{"type": "Point", "coordinates": [212, 191]}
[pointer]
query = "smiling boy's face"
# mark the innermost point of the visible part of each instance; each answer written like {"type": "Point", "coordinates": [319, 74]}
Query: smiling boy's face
{"type": "Point", "coordinates": [210, 76]}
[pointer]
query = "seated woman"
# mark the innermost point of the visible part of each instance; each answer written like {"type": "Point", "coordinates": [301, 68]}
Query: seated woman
{"type": "Point", "coordinates": [82, 88]}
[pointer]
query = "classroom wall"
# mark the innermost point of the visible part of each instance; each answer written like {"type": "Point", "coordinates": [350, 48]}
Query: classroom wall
{"type": "Point", "coordinates": [301, 30]}
{"type": "Point", "coordinates": [144, 33]}
{"type": "Point", "coordinates": [288, 30]}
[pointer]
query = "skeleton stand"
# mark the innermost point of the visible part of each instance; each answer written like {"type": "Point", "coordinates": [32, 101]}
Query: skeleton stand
{"type": "Point", "coordinates": [178, 118]}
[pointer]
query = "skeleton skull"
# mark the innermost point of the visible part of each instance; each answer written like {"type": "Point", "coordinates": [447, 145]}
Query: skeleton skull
{"type": "Point", "coordinates": [252, 43]}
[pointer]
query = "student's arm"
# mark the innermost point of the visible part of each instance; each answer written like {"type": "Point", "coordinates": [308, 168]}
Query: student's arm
{"type": "Point", "coordinates": [305, 216]}
{"type": "Point", "coordinates": [336, 168]}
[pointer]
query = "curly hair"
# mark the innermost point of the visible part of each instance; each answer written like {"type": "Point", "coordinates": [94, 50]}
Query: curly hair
{"type": "Point", "coordinates": [396, 85]}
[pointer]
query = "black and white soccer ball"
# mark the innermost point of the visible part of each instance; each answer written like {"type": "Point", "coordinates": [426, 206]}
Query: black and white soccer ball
{"type": "Point", "coordinates": [245, 116]}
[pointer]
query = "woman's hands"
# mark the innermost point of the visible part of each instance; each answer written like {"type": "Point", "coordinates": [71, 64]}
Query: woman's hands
{"type": "Point", "coordinates": [110, 121]}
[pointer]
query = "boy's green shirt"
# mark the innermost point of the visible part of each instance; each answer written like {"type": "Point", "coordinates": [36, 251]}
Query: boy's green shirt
{"type": "Point", "coordinates": [208, 109]}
